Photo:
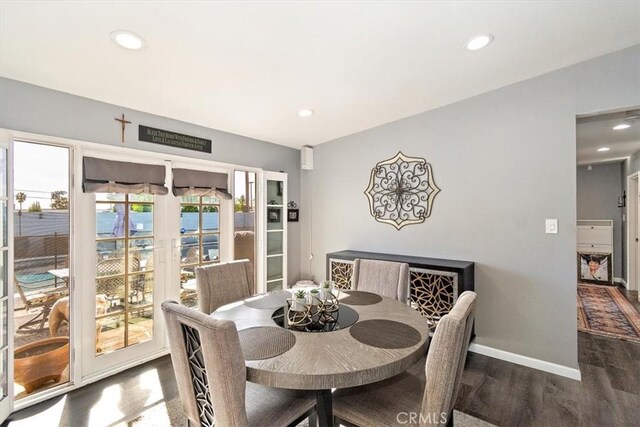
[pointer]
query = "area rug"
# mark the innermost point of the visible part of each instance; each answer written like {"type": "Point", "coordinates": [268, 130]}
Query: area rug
{"type": "Point", "coordinates": [603, 310]}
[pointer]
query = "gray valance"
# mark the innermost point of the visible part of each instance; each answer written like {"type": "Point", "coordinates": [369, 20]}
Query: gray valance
{"type": "Point", "coordinates": [188, 182]}
{"type": "Point", "coordinates": [109, 176]}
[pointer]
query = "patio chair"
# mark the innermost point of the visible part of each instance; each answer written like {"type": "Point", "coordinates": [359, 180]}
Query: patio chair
{"type": "Point", "coordinates": [38, 290]}
{"type": "Point", "coordinates": [110, 280]}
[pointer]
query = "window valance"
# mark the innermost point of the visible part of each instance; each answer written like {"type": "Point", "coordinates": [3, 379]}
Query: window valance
{"type": "Point", "coordinates": [110, 176]}
{"type": "Point", "coordinates": [188, 182]}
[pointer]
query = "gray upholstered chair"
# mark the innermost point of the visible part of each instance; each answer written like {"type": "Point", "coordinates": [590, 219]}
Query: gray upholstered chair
{"type": "Point", "coordinates": [389, 279]}
{"type": "Point", "coordinates": [220, 284]}
{"type": "Point", "coordinates": [428, 389]}
{"type": "Point", "coordinates": [211, 375]}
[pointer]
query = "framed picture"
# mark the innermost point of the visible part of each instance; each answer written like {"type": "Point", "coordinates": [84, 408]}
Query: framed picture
{"type": "Point", "coordinates": [273, 215]}
{"type": "Point", "coordinates": [292, 215]}
{"type": "Point", "coordinates": [595, 267]}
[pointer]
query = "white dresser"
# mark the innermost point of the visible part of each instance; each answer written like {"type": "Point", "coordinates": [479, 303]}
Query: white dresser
{"type": "Point", "coordinates": [595, 236]}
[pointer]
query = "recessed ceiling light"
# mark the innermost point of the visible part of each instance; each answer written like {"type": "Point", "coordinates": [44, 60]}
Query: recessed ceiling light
{"type": "Point", "coordinates": [622, 126]}
{"type": "Point", "coordinates": [604, 149]}
{"type": "Point", "coordinates": [305, 113]}
{"type": "Point", "coordinates": [479, 42]}
{"type": "Point", "coordinates": [127, 39]}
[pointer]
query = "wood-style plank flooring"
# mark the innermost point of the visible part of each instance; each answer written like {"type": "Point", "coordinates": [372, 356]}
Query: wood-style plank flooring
{"type": "Point", "coordinates": [499, 392]}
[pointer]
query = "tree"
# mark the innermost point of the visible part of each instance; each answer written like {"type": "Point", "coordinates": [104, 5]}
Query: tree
{"type": "Point", "coordinates": [241, 204]}
{"type": "Point", "coordinates": [140, 208]}
{"type": "Point", "coordinates": [35, 207]}
{"type": "Point", "coordinates": [20, 198]}
{"type": "Point", "coordinates": [59, 200]}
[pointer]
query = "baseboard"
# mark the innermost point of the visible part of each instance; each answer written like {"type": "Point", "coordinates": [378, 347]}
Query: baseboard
{"type": "Point", "coordinates": [530, 362]}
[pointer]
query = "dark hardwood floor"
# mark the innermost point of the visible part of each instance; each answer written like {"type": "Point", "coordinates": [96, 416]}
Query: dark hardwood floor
{"type": "Point", "coordinates": [499, 392]}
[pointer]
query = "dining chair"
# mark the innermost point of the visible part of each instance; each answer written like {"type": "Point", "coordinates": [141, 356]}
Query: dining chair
{"type": "Point", "coordinates": [220, 284]}
{"type": "Point", "coordinates": [389, 279]}
{"type": "Point", "coordinates": [427, 391]}
{"type": "Point", "coordinates": [212, 377]}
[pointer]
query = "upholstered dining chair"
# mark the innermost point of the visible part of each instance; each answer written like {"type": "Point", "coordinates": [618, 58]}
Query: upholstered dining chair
{"type": "Point", "coordinates": [211, 375]}
{"type": "Point", "coordinates": [389, 279]}
{"type": "Point", "coordinates": [428, 390]}
{"type": "Point", "coordinates": [220, 284]}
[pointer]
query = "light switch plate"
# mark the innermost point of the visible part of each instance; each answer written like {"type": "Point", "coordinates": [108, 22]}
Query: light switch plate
{"type": "Point", "coordinates": [551, 226]}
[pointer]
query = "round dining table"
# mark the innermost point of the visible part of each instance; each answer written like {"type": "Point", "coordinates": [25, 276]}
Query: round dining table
{"type": "Point", "coordinates": [374, 338]}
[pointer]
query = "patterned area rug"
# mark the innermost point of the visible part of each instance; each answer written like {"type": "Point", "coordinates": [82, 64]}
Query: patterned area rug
{"type": "Point", "coordinates": [603, 310]}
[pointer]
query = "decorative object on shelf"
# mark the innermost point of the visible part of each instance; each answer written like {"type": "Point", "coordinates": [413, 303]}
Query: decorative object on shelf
{"type": "Point", "coordinates": [401, 191]}
{"type": "Point", "coordinates": [594, 267]}
{"type": "Point", "coordinates": [292, 212]}
{"type": "Point", "coordinates": [317, 313]}
{"type": "Point", "coordinates": [273, 215]}
{"type": "Point", "coordinates": [622, 200]}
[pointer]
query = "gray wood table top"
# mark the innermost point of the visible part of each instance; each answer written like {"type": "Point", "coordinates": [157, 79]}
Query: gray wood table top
{"type": "Point", "coordinates": [325, 360]}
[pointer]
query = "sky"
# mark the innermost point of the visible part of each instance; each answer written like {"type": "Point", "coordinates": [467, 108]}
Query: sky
{"type": "Point", "coordinates": [39, 170]}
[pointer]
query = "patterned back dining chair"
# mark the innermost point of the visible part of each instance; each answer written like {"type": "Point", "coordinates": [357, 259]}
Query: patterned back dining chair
{"type": "Point", "coordinates": [220, 284]}
{"type": "Point", "coordinates": [428, 389]}
{"type": "Point", "coordinates": [389, 279]}
{"type": "Point", "coordinates": [211, 376]}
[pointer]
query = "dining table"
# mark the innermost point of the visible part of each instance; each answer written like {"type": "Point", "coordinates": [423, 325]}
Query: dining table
{"type": "Point", "coordinates": [368, 338]}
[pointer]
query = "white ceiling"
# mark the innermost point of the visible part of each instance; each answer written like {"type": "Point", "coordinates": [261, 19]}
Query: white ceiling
{"type": "Point", "coordinates": [248, 67]}
{"type": "Point", "coordinates": [595, 132]}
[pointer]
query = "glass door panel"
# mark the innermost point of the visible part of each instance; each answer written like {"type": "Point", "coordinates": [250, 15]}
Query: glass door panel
{"type": "Point", "coordinates": [199, 241]}
{"type": "Point", "coordinates": [5, 397]}
{"type": "Point", "coordinates": [41, 266]}
{"type": "Point", "coordinates": [244, 224]}
{"type": "Point", "coordinates": [275, 233]}
{"type": "Point", "coordinates": [124, 271]}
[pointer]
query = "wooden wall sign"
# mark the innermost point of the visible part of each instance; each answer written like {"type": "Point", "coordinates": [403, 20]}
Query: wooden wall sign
{"type": "Point", "coordinates": [173, 139]}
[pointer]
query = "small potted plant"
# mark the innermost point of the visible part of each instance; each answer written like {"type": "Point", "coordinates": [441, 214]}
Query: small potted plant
{"type": "Point", "coordinates": [315, 296]}
{"type": "Point", "coordinates": [327, 289]}
{"type": "Point", "coordinates": [299, 300]}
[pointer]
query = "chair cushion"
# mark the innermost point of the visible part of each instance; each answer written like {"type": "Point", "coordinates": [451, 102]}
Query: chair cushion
{"type": "Point", "coordinates": [268, 406]}
{"type": "Point", "coordinates": [381, 403]}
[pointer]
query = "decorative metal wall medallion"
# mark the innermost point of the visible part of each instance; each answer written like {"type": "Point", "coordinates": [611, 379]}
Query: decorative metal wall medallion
{"type": "Point", "coordinates": [401, 191]}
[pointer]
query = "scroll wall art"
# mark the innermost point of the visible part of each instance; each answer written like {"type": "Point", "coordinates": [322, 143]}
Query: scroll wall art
{"type": "Point", "coordinates": [401, 191]}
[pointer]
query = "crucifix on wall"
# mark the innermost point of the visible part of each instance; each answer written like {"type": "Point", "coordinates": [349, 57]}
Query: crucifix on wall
{"type": "Point", "coordinates": [123, 123]}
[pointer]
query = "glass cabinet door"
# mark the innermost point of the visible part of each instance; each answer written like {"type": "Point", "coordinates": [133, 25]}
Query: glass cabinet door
{"type": "Point", "coordinates": [275, 196]}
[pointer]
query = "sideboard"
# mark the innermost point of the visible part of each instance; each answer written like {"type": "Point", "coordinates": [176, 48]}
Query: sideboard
{"type": "Point", "coordinates": [434, 284]}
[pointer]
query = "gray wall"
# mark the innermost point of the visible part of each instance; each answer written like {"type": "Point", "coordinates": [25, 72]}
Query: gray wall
{"type": "Point", "coordinates": [505, 161]}
{"type": "Point", "coordinates": [597, 196]}
{"type": "Point", "coordinates": [36, 109]}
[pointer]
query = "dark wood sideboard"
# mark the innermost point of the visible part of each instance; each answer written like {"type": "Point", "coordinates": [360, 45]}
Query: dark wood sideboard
{"type": "Point", "coordinates": [434, 284]}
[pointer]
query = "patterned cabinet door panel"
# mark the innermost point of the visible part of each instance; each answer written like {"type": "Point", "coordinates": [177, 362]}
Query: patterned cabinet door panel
{"type": "Point", "coordinates": [432, 292]}
{"type": "Point", "coordinates": [340, 272]}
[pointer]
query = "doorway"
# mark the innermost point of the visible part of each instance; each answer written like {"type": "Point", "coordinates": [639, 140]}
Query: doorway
{"type": "Point", "coordinates": [608, 161]}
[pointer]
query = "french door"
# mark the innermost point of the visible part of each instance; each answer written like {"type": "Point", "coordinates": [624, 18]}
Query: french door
{"type": "Point", "coordinates": [123, 276]}
{"type": "Point", "coordinates": [6, 303]}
